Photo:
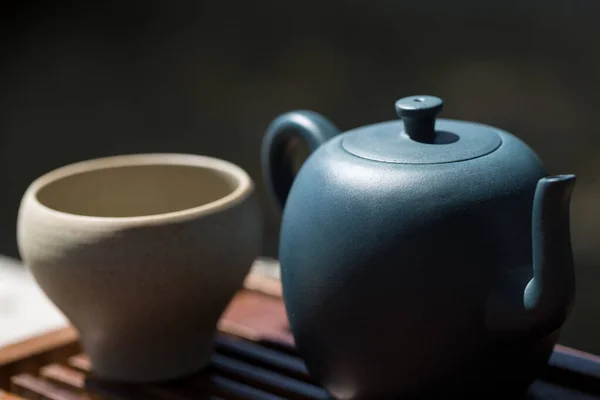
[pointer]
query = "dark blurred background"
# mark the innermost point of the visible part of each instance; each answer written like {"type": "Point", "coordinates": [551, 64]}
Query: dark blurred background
{"type": "Point", "coordinates": [88, 79]}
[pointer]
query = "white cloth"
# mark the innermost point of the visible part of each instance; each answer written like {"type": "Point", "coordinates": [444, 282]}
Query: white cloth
{"type": "Point", "coordinates": [25, 311]}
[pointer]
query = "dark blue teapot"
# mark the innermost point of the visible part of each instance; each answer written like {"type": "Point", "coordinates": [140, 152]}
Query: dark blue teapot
{"type": "Point", "coordinates": [420, 257]}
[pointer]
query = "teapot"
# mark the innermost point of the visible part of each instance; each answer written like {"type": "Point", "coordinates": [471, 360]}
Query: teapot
{"type": "Point", "coordinates": [420, 256]}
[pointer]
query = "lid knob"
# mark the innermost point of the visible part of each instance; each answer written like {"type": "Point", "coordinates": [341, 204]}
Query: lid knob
{"type": "Point", "coordinates": [418, 114]}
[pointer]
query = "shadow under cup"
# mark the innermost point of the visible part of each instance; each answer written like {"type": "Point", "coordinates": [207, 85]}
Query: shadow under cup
{"type": "Point", "coordinates": [142, 254]}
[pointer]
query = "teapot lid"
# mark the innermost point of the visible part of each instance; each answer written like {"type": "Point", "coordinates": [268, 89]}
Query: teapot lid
{"type": "Point", "coordinates": [421, 139]}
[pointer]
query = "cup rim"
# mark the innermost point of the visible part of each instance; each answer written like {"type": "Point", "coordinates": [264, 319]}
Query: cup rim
{"type": "Point", "coordinates": [244, 184]}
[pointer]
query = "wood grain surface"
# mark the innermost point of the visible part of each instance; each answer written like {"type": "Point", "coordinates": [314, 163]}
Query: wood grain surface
{"type": "Point", "coordinates": [254, 358]}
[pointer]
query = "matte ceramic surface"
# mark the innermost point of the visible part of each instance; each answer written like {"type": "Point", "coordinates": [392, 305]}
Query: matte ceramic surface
{"type": "Point", "coordinates": [142, 253]}
{"type": "Point", "coordinates": [420, 255]}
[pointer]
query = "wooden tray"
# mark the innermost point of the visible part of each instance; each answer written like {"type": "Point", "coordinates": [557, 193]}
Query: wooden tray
{"type": "Point", "coordinates": [254, 359]}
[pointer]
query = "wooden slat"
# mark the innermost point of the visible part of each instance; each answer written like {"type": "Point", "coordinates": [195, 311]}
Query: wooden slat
{"type": "Point", "coordinates": [541, 390]}
{"type": "Point", "coordinates": [28, 356]}
{"type": "Point", "coordinates": [577, 354]}
{"type": "Point", "coordinates": [263, 356]}
{"type": "Point", "coordinates": [283, 347]}
{"type": "Point", "coordinates": [40, 344]}
{"type": "Point", "coordinates": [266, 380]}
{"type": "Point", "coordinates": [64, 377]}
{"type": "Point", "coordinates": [32, 387]}
{"type": "Point", "coordinates": [9, 396]}
{"type": "Point", "coordinates": [257, 316]}
{"type": "Point", "coordinates": [80, 362]}
{"type": "Point", "coordinates": [570, 369]}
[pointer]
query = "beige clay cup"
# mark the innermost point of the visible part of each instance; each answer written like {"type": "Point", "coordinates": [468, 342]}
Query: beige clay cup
{"type": "Point", "coordinates": [142, 253]}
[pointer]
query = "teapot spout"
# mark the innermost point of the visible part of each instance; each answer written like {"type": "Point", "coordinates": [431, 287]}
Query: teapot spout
{"type": "Point", "coordinates": [549, 295]}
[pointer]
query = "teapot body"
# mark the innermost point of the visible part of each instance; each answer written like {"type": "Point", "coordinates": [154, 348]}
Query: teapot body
{"type": "Point", "coordinates": [423, 258]}
{"type": "Point", "coordinates": [386, 271]}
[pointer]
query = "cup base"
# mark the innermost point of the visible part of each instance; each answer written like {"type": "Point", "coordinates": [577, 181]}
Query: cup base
{"type": "Point", "coordinates": [125, 367]}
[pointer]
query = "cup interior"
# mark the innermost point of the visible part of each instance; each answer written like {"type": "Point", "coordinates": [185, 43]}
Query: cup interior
{"type": "Point", "coordinates": [136, 190]}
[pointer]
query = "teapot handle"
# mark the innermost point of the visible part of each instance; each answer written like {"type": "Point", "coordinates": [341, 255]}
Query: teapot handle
{"type": "Point", "coordinates": [314, 129]}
